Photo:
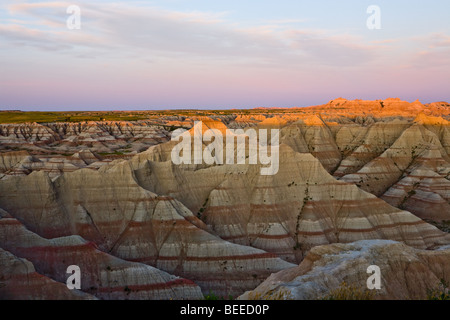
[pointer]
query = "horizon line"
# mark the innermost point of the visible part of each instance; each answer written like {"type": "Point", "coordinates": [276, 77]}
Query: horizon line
{"type": "Point", "coordinates": [14, 109]}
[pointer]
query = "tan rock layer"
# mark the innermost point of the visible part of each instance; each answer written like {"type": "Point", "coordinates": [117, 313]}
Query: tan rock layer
{"type": "Point", "coordinates": [405, 273]}
{"type": "Point", "coordinates": [102, 275]}
{"type": "Point", "coordinates": [20, 281]}
{"type": "Point", "coordinates": [288, 213]}
{"type": "Point", "coordinates": [111, 209]}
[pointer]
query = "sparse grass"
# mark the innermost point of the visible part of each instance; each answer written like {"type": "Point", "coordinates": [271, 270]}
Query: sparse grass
{"type": "Point", "coordinates": [442, 292]}
{"type": "Point", "coordinates": [76, 116]}
{"type": "Point", "coordinates": [115, 153]}
{"type": "Point", "coordinates": [347, 292]}
{"type": "Point", "coordinates": [212, 296]}
{"type": "Point", "coordinates": [202, 209]}
{"type": "Point", "coordinates": [81, 116]}
{"type": "Point", "coordinates": [283, 294]}
{"type": "Point", "coordinates": [127, 290]}
{"type": "Point", "coordinates": [21, 117]}
{"type": "Point", "coordinates": [442, 225]}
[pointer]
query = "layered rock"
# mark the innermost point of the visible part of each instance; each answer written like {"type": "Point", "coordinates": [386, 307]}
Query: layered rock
{"type": "Point", "coordinates": [102, 275]}
{"type": "Point", "coordinates": [312, 135]}
{"type": "Point", "coordinates": [102, 136]}
{"type": "Point", "coordinates": [15, 163]}
{"type": "Point", "coordinates": [26, 133]}
{"type": "Point", "coordinates": [424, 192]}
{"type": "Point", "coordinates": [109, 208]}
{"type": "Point", "coordinates": [288, 213]}
{"type": "Point", "coordinates": [405, 273]}
{"type": "Point", "coordinates": [386, 108]}
{"type": "Point", "coordinates": [20, 281]}
{"type": "Point", "coordinates": [361, 144]}
{"type": "Point", "coordinates": [227, 227]}
{"type": "Point", "coordinates": [413, 172]}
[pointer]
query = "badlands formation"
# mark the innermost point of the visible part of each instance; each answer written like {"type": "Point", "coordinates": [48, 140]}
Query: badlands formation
{"type": "Point", "coordinates": [359, 183]}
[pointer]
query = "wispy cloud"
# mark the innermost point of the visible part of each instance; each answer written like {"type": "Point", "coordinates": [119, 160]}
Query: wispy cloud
{"type": "Point", "coordinates": [286, 21]}
{"type": "Point", "coordinates": [434, 52]}
{"type": "Point", "coordinates": [438, 40]}
{"type": "Point", "coordinates": [126, 29]}
{"type": "Point", "coordinates": [332, 49]}
{"type": "Point", "coordinates": [152, 53]}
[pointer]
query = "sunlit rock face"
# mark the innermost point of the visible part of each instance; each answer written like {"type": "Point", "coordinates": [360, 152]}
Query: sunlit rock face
{"type": "Point", "coordinates": [108, 196]}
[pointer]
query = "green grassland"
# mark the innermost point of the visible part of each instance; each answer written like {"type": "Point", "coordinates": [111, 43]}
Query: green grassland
{"type": "Point", "coordinates": [81, 116]}
{"type": "Point", "coordinates": [44, 117]}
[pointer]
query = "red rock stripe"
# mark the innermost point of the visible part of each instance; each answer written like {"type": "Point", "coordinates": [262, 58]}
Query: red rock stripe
{"type": "Point", "coordinates": [150, 286]}
{"type": "Point", "coordinates": [265, 255]}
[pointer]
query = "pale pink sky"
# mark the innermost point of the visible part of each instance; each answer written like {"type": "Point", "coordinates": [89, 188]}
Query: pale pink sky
{"type": "Point", "coordinates": [179, 54]}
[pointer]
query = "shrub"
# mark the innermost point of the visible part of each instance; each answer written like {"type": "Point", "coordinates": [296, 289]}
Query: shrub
{"type": "Point", "coordinates": [127, 290]}
{"type": "Point", "coordinates": [347, 292]}
{"type": "Point", "coordinates": [442, 292]}
{"type": "Point", "coordinates": [213, 296]}
{"type": "Point", "coordinates": [283, 294]}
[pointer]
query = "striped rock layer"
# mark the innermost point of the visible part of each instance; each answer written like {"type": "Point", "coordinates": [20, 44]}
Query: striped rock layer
{"type": "Point", "coordinates": [288, 213]}
{"type": "Point", "coordinates": [102, 275]}
{"type": "Point", "coordinates": [334, 271]}
{"type": "Point", "coordinates": [109, 208]}
{"type": "Point", "coordinates": [140, 223]}
{"type": "Point", "coordinates": [20, 281]}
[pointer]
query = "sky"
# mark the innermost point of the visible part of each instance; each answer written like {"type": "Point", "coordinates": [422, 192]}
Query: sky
{"type": "Point", "coordinates": [210, 54]}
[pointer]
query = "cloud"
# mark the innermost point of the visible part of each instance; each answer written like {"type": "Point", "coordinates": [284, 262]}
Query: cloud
{"type": "Point", "coordinates": [286, 21]}
{"type": "Point", "coordinates": [438, 59]}
{"type": "Point", "coordinates": [126, 30]}
{"type": "Point", "coordinates": [50, 14]}
{"type": "Point", "coordinates": [331, 50]}
{"type": "Point", "coordinates": [18, 35]}
{"type": "Point", "coordinates": [385, 41]}
{"type": "Point", "coordinates": [433, 52]}
{"type": "Point", "coordinates": [439, 40]}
